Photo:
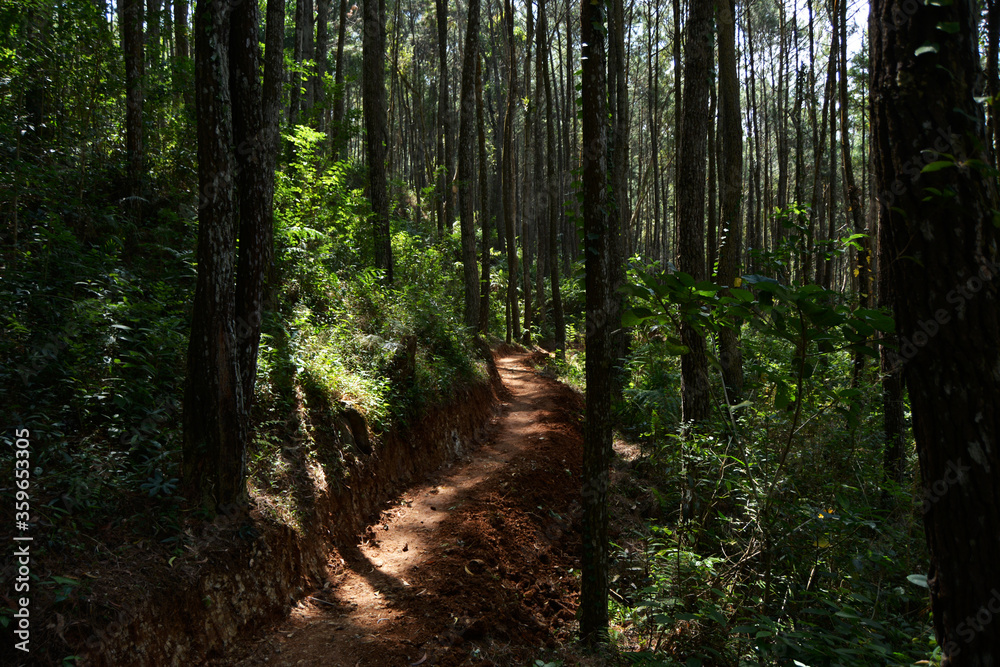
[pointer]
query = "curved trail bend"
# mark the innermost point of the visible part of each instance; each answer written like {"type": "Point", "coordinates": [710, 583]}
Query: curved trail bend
{"type": "Point", "coordinates": [470, 566]}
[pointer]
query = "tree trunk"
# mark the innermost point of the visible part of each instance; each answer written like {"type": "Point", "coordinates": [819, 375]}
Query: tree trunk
{"type": "Point", "coordinates": [467, 165]}
{"type": "Point", "coordinates": [486, 208]}
{"type": "Point", "coordinates": [134, 72]}
{"type": "Point", "coordinates": [619, 211]}
{"type": "Point", "coordinates": [214, 448]}
{"type": "Point", "coordinates": [298, 49]}
{"type": "Point", "coordinates": [554, 202]}
{"type": "Point", "coordinates": [695, 403]}
{"type": "Point", "coordinates": [527, 219]}
{"type": "Point", "coordinates": [862, 268]}
{"type": "Point", "coordinates": [597, 257]}
{"type": "Point", "coordinates": [444, 122]}
{"type": "Point", "coordinates": [182, 53]}
{"type": "Point", "coordinates": [711, 235]}
{"type": "Point", "coordinates": [993, 75]}
{"type": "Point", "coordinates": [509, 181]}
{"type": "Point", "coordinates": [942, 257]}
{"type": "Point", "coordinates": [831, 207]}
{"type": "Point", "coordinates": [542, 191]}
{"type": "Point", "coordinates": [730, 190]}
{"type": "Point", "coordinates": [256, 110]}
{"type": "Point", "coordinates": [339, 126]}
{"type": "Point", "coordinates": [322, 48]}
{"type": "Point", "coordinates": [309, 54]}
{"type": "Point", "coordinates": [376, 132]}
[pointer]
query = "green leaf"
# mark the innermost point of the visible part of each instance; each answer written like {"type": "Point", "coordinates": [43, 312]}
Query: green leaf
{"type": "Point", "coordinates": [635, 316]}
{"type": "Point", "coordinates": [927, 47]}
{"type": "Point", "coordinates": [877, 319]}
{"type": "Point", "coordinates": [743, 295]}
{"type": "Point", "coordinates": [717, 616]}
{"type": "Point", "coordinates": [937, 165]}
{"type": "Point", "coordinates": [918, 579]}
{"type": "Point", "coordinates": [950, 27]}
{"type": "Point", "coordinates": [743, 630]}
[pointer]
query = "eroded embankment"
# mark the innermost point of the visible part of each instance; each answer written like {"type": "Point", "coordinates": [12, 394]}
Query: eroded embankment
{"type": "Point", "coordinates": [242, 572]}
{"type": "Point", "coordinates": [475, 564]}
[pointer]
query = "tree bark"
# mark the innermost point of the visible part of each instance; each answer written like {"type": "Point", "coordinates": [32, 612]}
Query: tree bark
{"type": "Point", "coordinates": [134, 72]}
{"type": "Point", "coordinates": [373, 82]}
{"type": "Point", "coordinates": [730, 190]}
{"type": "Point", "coordinates": [993, 75]}
{"type": "Point", "coordinates": [256, 110]}
{"type": "Point", "coordinates": [553, 180]}
{"type": "Point", "coordinates": [308, 55]}
{"type": "Point", "coordinates": [695, 403]}
{"type": "Point", "coordinates": [298, 51]}
{"type": "Point", "coordinates": [467, 165]}
{"type": "Point", "coordinates": [339, 126]}
{"type": "Point", "coordinates": [527, 219]}
{"type": "Point", "coordinates": [862, 268]}
{"type": "Point", "coordinates": [182, 53]}
{"type": "Point", "coordinates": [322, 66]}
{"type": "Point", "coordinates": [444, 208]}
{"type": "Point", "coordinates": [597, 256]}
{"type": "Point", "coordinates": [486, 208]}
{"type": "Point", "coordinates": [619, 211]}
{"type": "Point", "coordinates": [943, 258]}
{"type": "Point", "coordinates": [214, 448]}
{"type": "Point", "coordinates": [509, 180]}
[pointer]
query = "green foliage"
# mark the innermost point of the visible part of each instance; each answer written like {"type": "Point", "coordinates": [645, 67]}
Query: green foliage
{"type": "Point", "coordinates": [96, 312]}
{"type": "Point", "coordinates": [771, 540]}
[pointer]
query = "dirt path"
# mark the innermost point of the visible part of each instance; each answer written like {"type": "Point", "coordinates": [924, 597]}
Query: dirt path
{"type": "Point", "coordinates": [478, 564]}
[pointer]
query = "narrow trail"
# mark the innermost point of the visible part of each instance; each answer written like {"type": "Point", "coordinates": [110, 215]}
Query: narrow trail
{"type": "Point", "coordinates": [470, 566]}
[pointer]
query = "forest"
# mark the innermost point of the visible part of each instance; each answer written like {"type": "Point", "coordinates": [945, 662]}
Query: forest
{"type": "Point", "coordinates": [730, 266]}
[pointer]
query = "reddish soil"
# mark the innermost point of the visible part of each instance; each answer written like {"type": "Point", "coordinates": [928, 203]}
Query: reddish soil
{"type": "Point", "coordinates": [478, 564]}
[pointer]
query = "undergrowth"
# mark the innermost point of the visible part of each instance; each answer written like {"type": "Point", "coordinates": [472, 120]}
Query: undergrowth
{"type": "Point", "coordinates": [97, 319]}
{"type": "Point", "coordinates": [770, 534]}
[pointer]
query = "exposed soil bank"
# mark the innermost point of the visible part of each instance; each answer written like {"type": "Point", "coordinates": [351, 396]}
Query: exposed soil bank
{"type": "Point", "coordinates": [477, 564]}
{"type": "Point", "coordinates": [243, 572]}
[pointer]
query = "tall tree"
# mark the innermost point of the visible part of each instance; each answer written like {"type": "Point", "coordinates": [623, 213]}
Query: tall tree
{"type": "Point", "coordinates": [862, 268]}
{"type": "Point", "coordinates": [376, 132]}
{"type": "Point", "coordinates": [298, 53]}
{"type": "Point", "coordinates": [322, 50]}
{"type": "Point", "coordinates": [339, 127]}
{"type": "Point", "coordinates": [619, 211]}
{"type": "Point", "coordinates": [485, 209]}
{"type": "Point", "coordinates": [444, 204]}
{"type": "Point", "coordinates": [214, 444]}
{"type": "Point", "coordinates": [256, 111]}
{"type": "Point", "coordinates": [559, 319]}
{"type": "Point", "coordinates": [182, 53]}
{"type": "Point", "coordinates": [695, 404]}
{"type": "Point", "coordinates": [467, 165]}
{"type": "Point", "coordinates": [993, 75]}
{"type": "Point", "coordinates": [597, 257]}
{"type": "Point", "coordinates": [132, 42]}
{"type": "Point", "coordinates": [943, 257]}
{"type": "Point", "coordinates": [527, 218]}
{"type": "Point", "coordinates": [730, 189]}
{"type": "Point", "coordinates": [508, 176]}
